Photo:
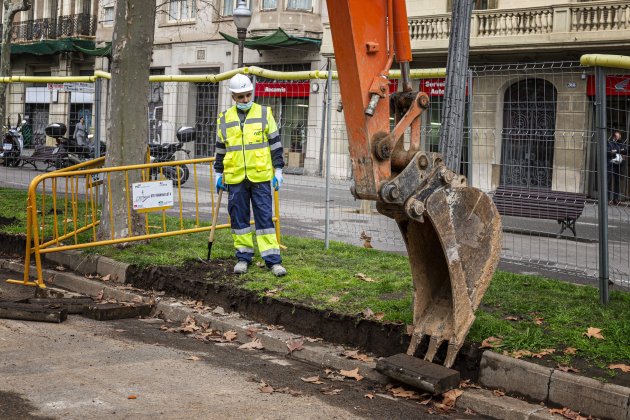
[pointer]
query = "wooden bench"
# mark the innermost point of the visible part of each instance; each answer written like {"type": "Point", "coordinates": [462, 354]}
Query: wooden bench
{"type": "Point", "coordinates": [538, 203]}
{"type": "Point", "coordinates": [45, 154]}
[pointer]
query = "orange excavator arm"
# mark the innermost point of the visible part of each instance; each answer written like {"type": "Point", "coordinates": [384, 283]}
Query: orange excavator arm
{"type": "Point", "coordinates": [452, 231]}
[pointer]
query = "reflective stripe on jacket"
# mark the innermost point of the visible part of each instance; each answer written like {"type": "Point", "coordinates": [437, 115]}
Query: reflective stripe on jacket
{"type": "Point", "coordinates": [247, 152]}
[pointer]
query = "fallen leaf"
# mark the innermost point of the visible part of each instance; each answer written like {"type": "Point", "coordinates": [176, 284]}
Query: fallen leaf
{"type": "Point", "coordinates": [272, 292]}
{"type": "Point", "coordinates": [466, 384]}
{"type": "Point", "coordinates": [379, 316]}
{"type": "Point", "coordinates": [539, 321]}
{"type": "Point", "coordinates": [255, 344]}
{"type": "Point", "coordinates": [351, 374]}
{"type": "Point", "coordinates": [492, 343]}
{"type": "Point", "coordinates": [331, 391]}
{"type": "Point", "coordinates": [252, 331]}
{"type": "Point", "coordinates": [99, 295]}
{"type": "Point", "coordinates": [354, 354]}
{"type": "Point", "coordinates": [119, 330]}
{"type": "Point", "coordinates": [401, 392]}
{"type": "Point", "coordinates": [449, 397]}
{"type": "Point", "coordinates": [570, 350]}
{"type": "Point", "coordinates": [567, 369]}
{"type": "Point", "coordinates": [334, 299]}
{"type": "Point", "coordinates": [106, 277]}
{"type": "Point", "coordinates": [265, 388]}
{"type": "Point", "coordinates": [470, 412]}
{"type": "Point", "coordinates": [594, 333]}
{"type": "Point", "coordinates": [312, 380]}
{"type": "Point", "coordinates": [511, 318]}
{"type": "Point", "coordinates": [623, 368]}
{"type": "Point", "coordinates": [131, 397]}
{"type": "Point", "coordinates": [137, 299]}
{"type": "Point", "coordinates": [195, 358]}
{"type": "Point", "coordinates": [567, 413]}
{"type": "Point", "coordinates": [295, 345]}
{"type": "Point", "coordinates": [369, 396]}
{"type": "Point", "coordinates": [260, 264]}
{"type": "Point", "coordinates": [365, 278]}
{"type": "Point", "coordinates": [543, 353]}
{"type": "Point", "coordinates": [230, 335]}
{"type": "Point", "coordinates": [314, 340]}
{"type": "Point", "coordinates": [521, 353]}
{"type": "Point", "coordinates": [367, 313]}
{"type": "Point", "coordinates": [60, 268]}
{"type": "Point", "coordinates": [425, 402]}
{"type": "Point", "coordinates": [498, 393]}
{"type": "Point", "coordinates": [287, 390]}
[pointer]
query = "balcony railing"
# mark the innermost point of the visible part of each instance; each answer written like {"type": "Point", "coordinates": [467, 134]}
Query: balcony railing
{"type": "Point", "coordinates": [81, 24]}
{"type": "Point", "coordinates": [598, 16]}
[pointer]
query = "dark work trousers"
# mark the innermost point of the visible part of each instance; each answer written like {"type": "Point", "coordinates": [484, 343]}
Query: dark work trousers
{"type": "Point", "coordinates": [239, 199]}
{"type": "Point", "coordinates": [614, 181]}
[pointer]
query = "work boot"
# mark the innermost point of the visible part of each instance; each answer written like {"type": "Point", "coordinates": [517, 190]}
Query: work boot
{"type": "Point", "coordinates": [278, 270]}
{"type": "Point", "coordinates": [240, 267]}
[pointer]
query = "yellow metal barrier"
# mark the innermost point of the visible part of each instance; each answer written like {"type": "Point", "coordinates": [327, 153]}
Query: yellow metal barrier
{"type": "Point", "coordinates": [86, 180]}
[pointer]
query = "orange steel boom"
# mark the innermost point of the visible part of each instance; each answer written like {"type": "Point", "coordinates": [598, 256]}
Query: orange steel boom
{"type": "Point", "coordinates": [452, 231]}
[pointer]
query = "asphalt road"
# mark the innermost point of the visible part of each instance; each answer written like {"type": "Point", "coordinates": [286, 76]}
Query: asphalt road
{"type": "Point", "coordinates": [132, 369]}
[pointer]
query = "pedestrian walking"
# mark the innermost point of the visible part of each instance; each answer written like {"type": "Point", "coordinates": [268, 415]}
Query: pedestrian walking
{"type": "Point", "coordinates": [248, 164]}
{"type": "Point", "coordinates": [617, 153]}
{"type": "Point", "coordinates": [80, 132]}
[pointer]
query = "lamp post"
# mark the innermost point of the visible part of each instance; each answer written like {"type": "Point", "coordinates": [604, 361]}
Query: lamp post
{"type": "Point", "coordinates": [242, 18]}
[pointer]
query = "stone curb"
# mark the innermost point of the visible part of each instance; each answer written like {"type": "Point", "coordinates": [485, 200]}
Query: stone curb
{"type": "Point", "coordinates": [510, 375]}
{"type": "Point", "coordinates": [555, 387]}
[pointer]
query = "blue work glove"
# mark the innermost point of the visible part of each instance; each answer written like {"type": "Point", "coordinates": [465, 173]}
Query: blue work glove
{"type": "Point", "coordinates": [219, 182]}
{"type": "Point", "coordinates": [277, 179]}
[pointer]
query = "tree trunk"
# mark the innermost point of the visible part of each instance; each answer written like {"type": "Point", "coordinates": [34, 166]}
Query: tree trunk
{"type": "Point", "coordinates": [127, 123]}
{"type": "Point", "coordinates": [10, 10]}
{"type": "Point", "coordinates": [452, 129]}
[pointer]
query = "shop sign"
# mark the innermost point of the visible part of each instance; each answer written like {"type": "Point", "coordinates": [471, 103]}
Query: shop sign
{"type": "Point", "coordinates": [283, 89]}
{"type": "Point", "coordinates": [615, 85]}
{"type": "Point", "coordinates": [435, 87]}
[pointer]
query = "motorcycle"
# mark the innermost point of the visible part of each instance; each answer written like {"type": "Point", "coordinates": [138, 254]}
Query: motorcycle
{"type": "Point", "coordinates": [68, 151]}
{"type": "Point", "coordinates": [12, 144]}
{"type": "Point", "coordinates": [166, 152]}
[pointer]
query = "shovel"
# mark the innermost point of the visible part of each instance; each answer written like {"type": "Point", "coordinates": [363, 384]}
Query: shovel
{"type": "Point", "coordinates": [214, 223]}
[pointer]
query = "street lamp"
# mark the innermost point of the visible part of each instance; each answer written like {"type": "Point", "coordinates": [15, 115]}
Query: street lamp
{"type": "Point", "coordinates": [242, 17]}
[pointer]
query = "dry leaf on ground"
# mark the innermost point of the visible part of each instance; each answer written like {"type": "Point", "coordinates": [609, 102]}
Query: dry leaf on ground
{"type": "Point", "coordinates": [295, 345]}
{"type": "Point", "coordinates": [365, 278]}
{"type": "Point", "coordinates": [351, 374]}
{"type": "Point", "coordinates": [449, 397]}
{"type": "Point", "coordinates": [491, 343]}
{"type": "Point", "coordinates": [401, 392]}
{"type": "Point", "coordinates": [99, 295]}
{"type": "Point", "coordinates": [467, 384]}
{"type": "Point", "coordinates": [194, 358]}
{"type": "Point", "coordinates": [131, 397]}
{"type": "Point", "coordinates": [287, 390]}
{"type": "Point", "coordinates": [331, 391]}
{"type": "Point", "coordinates": [60, 268]}
{"type": "Point", "coordinates": [498, 393]}
{"type": "Point", "coordinates": [265, 388]}
{"type": "Point", "coordinates": [511, 318]}
{"type": "Point", "coordinates": [354, 354]}
{"type": "Point", "coordinates": [255, 344]}
{"type": "Point", "coordinates": [369, 396]}
{"type": "Point", "coordinates": [312, 380]}
{"type": "Point", "coordinates": [567, 413]}
{"type": "Point", "coordinates": [543, 353]}
{"type": "Point", "coordinates": [521, 353]}
{"type": "Point", "coordinates": [107, 277]}
{"type": "Point", "coordinates": [623, 368]}
{"type": "Point", "coordinates": [594, 333]}
{"type": "Point", "coordinates": [334, 299]}
{"type": "Point", "coordinates": [567, 369]}
{"type": "Point", "coordinates": [252, 331]}
{"type": "Point", "coordinates": [230, 335]}
{"type": "Point", "coordinates": [539, 321]}
{"type": "Point", "coordinates": [367, 313]}
{"type": "Point", "coordinates": [570, 350]}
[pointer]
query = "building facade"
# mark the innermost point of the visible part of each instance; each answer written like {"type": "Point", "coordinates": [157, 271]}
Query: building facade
{"type": "Point", "coordinates": [193, 38]}
{"type": "Point", "coordinates": [53, 38]}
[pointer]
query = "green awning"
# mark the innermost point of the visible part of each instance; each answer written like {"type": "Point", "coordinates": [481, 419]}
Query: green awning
{"type": "Point", "coordinates": [53, 46]}
{"type": "Point", "coordinates": [277, 39]}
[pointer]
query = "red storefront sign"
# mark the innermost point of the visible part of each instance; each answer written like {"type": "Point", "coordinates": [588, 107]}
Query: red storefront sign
{"type": "Point", "coordinates": [435, 87]}
{"type": "Point", "coordinates": [283, 89]}
{"type": "Point", "coordinates": [615, 86]}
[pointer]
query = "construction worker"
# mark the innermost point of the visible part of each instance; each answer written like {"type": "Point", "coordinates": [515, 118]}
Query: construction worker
{"type": "Point", "coordinates": [248, 164]}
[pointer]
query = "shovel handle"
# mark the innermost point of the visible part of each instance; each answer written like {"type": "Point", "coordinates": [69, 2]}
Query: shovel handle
{"type": "Point", "coordinates": [215, 216]}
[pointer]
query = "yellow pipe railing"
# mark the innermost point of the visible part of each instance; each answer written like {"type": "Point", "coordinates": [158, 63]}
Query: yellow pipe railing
{"type": "Point", "coordinates": [605, 60]}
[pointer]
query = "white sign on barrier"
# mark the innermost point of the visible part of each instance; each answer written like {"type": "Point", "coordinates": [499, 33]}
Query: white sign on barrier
{"type": "Point", "coordinates": [152, 195]}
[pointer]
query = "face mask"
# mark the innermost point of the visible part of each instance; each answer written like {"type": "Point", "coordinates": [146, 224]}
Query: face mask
{"type": "Point", "coordinates": [245, 107]}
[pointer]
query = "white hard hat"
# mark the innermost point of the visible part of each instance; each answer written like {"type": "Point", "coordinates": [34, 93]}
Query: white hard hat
{"type": "Point", "coordinates": [240, 83]}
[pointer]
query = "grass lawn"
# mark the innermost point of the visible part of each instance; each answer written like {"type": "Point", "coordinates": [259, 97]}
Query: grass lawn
{"type": "Point", "coordinates": [528, 315]}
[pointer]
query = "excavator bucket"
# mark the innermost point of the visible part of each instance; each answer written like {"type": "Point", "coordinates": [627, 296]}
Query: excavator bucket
{"type": "Point", "coordinates": [454, 242]}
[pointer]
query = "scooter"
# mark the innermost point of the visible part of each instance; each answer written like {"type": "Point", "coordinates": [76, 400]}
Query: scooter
{"type": "Point", "coordinates": [68, 151]}
{"type": "Point", "coordinates": [166, 152]}
{"type": "Point", "coordinates": [12, 144]}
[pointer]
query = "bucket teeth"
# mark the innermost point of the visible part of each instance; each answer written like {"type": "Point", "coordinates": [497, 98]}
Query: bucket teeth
{"type": "Point", "coordinates": [416, 339]}
{"type": "Point", "coordinates": [434, 345]}
{"type": "Point", "coordinates": [451, 354]}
